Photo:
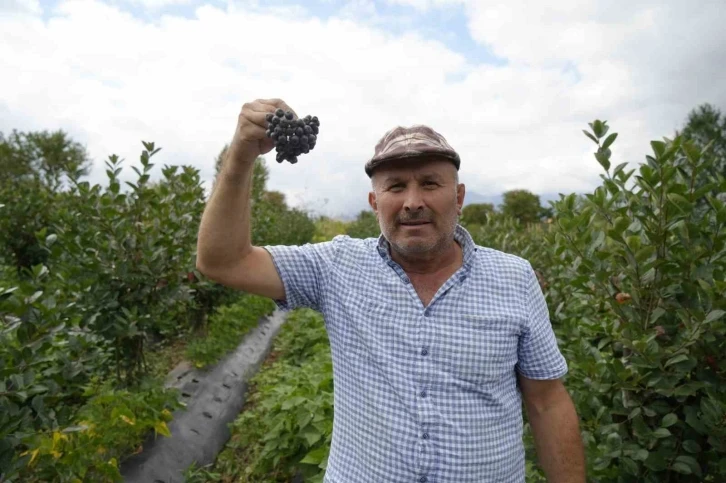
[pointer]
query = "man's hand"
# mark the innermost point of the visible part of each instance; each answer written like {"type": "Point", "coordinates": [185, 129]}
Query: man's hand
{"type": "Point", "coordinates": [250, 140]}
{"type": "Point", "coordinates": [556, 430]}
{"type": "Point", "coordinates": [225, 252]}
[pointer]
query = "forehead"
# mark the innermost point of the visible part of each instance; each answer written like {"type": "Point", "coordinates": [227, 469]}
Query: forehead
{"type": "Point", "coordinates": [416, 168]}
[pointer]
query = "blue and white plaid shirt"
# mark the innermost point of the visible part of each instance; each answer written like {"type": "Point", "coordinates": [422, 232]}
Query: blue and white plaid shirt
{"type": "Point", "coordinates": [424, 394]}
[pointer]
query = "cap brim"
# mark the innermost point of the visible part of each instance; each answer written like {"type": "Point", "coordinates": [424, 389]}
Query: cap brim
{"type": "Point", "coordinates": [407, 157]}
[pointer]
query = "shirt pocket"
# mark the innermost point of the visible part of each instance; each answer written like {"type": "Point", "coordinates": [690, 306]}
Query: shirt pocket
{"type": "Point", "coordinates": [366, 325]}
{"type": "Point", "coordinates": [484, 348]}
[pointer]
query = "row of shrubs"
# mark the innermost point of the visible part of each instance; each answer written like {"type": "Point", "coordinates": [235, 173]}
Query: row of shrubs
{"type": "Point", "coordinates": [633, 274]}
{"type": "Point", "coordinates": [634, 277]}
{"type": "Point", "coordinates": [93, 277]}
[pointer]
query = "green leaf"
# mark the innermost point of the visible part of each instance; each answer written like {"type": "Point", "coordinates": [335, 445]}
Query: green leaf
{"type": "Point", "coordinates": [30, 300]}
{"type": "Point", "coordinates": [292, 402]}
{"type": "Point", "coordinates": [681, 468]}
{"type": "Point", "coordinates": [609, 140]}
{"type": "Point", "coordinates": [640, 455]}
{"type": "Point", "coordinates": [711, 410]}
{"type": "Point", "coordinates": [689, 389]}
{"type": "Point", "coordinates": [691, 462]}
{"type": "Point", "coordinates": [681, 202]}
{"type": "Point", "coordinates": [714, 315]}
{"type": "Point", "coordinates": [600, 128]}
{"type": "Point", "coordinates": [669, 420]}
{"type": "Point", "coordinates": [658, 148]}
{"type": "Point", "coordinates": [676, 360]}
{"type": "Point", "coordinates": [661, 433]}
{"type": "Point", "coordinates": [603, 159]}
{"type": "Point", "coordinates": [316, 456]}
{"type": "Point", "coordinates": [656, 314]}
{"type": "Point", "coordinates": [590, 136]}
{"type": "Point", "coordinates": [311, 435]}
{"type": "Point", "coordinates": [630, 466]}
{"type": "Point", "coordinates": [691, 446]}
{"type": "Point", "coordinates": [694, 421]}
{"type": "Point", "coordinates": [614, 441]}
{"type": "Point", "coordinates": [601, 463]}
{"type": "Point", "coordinates": [619, 167]}
{"type": "Point", "coordinates": [656, 462]}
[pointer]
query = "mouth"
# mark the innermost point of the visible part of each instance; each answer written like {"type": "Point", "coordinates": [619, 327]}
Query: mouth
{"type": "Point", "coordinates": [415, 223]}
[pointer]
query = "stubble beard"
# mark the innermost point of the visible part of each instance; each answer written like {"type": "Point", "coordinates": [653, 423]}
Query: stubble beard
{"type": "Point", "coordinates": [416, 248]}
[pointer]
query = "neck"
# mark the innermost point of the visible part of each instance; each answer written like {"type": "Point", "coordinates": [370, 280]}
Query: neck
{"type": "Point", "coordinates": [430, 263]}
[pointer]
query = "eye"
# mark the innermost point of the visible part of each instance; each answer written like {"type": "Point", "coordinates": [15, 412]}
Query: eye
{"type": "Point", "coordinates": [396, 187]}
{"type": "Point", "coordinates": [430, 184]}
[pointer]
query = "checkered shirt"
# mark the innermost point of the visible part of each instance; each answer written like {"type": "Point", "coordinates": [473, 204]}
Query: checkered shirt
{"type": "Point", "coordinates": [424, 394]}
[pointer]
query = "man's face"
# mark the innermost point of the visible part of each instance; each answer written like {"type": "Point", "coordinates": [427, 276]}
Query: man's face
{"type": "Point", "coordinates": [417, 204]}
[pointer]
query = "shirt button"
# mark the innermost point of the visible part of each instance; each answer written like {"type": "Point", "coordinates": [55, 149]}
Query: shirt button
{"type": "Point", "coordinates": [424, 352]}
{"type": "Point", "coordinates": [423, 393]}
{"type": "Point", "coordinates": [423, 479]}
{"type": "Point", "coordinates": [426, 436]}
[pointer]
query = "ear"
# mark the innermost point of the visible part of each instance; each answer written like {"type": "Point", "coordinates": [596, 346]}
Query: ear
{"type": "Point", "coordinates": [372, 201]}
{"type": "Point", "coordinates": [460, 192]}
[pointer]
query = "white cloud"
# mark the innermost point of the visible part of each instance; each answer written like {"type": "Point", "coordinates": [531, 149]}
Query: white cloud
{"type": "Point", "coordinates": [426, 5]}
{"type": "Point", "coordinates": [155, 5]}
{"type": "Point", "coordinates": [112, 80]}
{"type": "Point", "coordinates": [19, 7]}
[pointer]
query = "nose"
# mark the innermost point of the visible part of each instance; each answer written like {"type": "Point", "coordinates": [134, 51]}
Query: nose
{"type": "Point", "coordinates": [414, 200]}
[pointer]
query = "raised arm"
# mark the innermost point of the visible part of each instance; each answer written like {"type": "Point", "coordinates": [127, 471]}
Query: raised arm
{"type": "Point", "coordinates": [224, 250]}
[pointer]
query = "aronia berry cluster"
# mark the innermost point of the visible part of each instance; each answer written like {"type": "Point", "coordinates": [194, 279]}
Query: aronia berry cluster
{"type": "Point", "coordinates": [292, 137]}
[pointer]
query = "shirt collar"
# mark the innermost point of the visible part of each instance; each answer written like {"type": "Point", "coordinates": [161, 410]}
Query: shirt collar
{"type": "Point", "coordinates": [460, 234]}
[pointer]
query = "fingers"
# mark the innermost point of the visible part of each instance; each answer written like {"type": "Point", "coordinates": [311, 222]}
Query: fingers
{"type": "Point", "coordinates": [256, 115]}
{"type": "Point", "coordinates": [253, 122]}
{"type": "Point", "coordinates": [277, 104]}
{"type": "Point", "coordinates": [257, 111]}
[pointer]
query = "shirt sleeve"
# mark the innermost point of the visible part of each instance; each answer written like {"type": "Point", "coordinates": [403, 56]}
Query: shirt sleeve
{"type": "Point", "coordinates": [304, 271]}
{"type": "Point", "coordinates": [538, 353]}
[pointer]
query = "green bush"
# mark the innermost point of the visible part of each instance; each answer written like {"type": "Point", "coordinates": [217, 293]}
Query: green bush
{"type": "Point", "coordinates": [111, 426]}
{"type": "Point", "coordinates": [127, 255]}
{"type": "Point", "coordinates": [328, 228]}
{"type": "Point", "coordinates": [46, 358]}
{"type": "Point", "coordinates": [111, 274]}
{"type": "Point", "coordinates": [476, 214]}
{"type": "Point", "coordinates": [364, 226]}
{"type": "Point", "coordinates": [34, 165]}
{"type": "Point", "coordinates": [644, 329]}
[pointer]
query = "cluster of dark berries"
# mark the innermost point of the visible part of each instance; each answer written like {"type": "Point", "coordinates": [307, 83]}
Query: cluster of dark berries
{"type": "Point", "coordinates": [292, 137]}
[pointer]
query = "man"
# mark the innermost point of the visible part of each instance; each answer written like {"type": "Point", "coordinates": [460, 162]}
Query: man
{"type": "Point", "coordinates": [434, 340]}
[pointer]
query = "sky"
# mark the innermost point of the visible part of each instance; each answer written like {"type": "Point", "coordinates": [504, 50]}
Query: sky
{"type": "Point", "coordinates": [510, 84]}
